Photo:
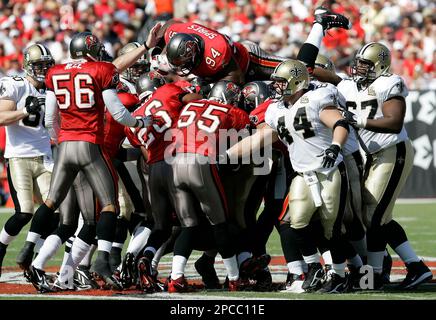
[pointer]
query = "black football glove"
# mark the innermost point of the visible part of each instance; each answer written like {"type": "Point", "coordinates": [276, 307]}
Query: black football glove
{"type": "Point", "coordinates": [353, 120]}
{"type": "Point", "coordinates": [33, 104]}
{"type": "Point", "coordinates": [330, 155]}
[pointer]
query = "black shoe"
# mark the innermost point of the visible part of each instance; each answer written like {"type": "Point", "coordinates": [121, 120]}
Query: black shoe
{"type": "Point", "coordinates": [102, 269]}
{"type": "Point", "coordinates": [38, 279]}
{"type": "Point", "coordinates": [387, 267]}
{"type": "Point", "coordinates": [330, 19]}
{"type": "Point", "coordinates": [24, 258]}
{"type": "Point", "coordinates": [83, 279]}
{"type": "Point", "coordinates": [250, 266]}
{"type": "Point", "coordinates": [417, 273]}
{"type": "Point", "coordinates": [335, 284]}
{"type": "Point", "coordinates": [146, 281]}
{"type": "Point", "coordinates": [294, 283]}
{"type": "Point", "coordinates": [128, 270]}
{"type": "Point", "coordinates": [314, 277]}
{"type": "Point", "coordinates": [205, 268]}
{"type": "Point", "coordinates": [2, 255]}
{"type": "Point", "coordinates": [327, 268]}
{"type": "Point", "coordinates": [263, 280]}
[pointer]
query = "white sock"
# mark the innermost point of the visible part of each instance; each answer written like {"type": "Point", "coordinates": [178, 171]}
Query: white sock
{"type": "Point", "coordinates": [139, 238]}
{"type": "Point", "coordinates": [157, 256]}
{"type": "Point", "coordinates": [78, 251]}
{"type": "Point", "coordinates": [360, 247]}
{"type": "Point", "coordinates": [47, 251]}
{"type": "Point", "coordinates": [5, 237]}
{"type": "Point", "coordinates": [406, 253]}
{"type": "Point", "coordinates": [39, 244]}
{"type": "Point", "coordinates": [314, 258]}
{"type": "Point", "coordinates": [327, 257]}
{"type": "Point", "coordinates": [296, 267]}
{"type": "Point", "coordinates": [232, 268]}
{"type": "Point", "coordinates": [178, 268]}
{"type": "Point", "coordinates": [315, 36]}
{"type": "Point", "coordinates": [375, 260]}
{"type": "Point", "coordinates": [104, 245]}
{"type": "Point", "coordinates": [356, 261]}
{"type": "Point", "coordinates": [68, 245]}
{"type": "Point", "coordinates": [33, 237]}
{"type": "Point", "coordinates": [243, 256]}
{"type": "Point", "coordinates": [339, 268]}
{"type": "Point", "coordinates": [86, 261]}
{"type": "Point", "coordinates": [117, 245]}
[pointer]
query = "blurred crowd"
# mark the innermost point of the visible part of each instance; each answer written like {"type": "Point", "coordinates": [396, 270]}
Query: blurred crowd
{"type": "Point", "coordinates": [407, 26]}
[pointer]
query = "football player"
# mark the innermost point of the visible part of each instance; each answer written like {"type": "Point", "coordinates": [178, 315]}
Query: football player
{"type": "Point", "coordinates": [163, 102]}
{"type": "Point", "coordinates": [308, 121]}
{"type": "Point", "coordinates": [79, 92]}
{"type": "Point", "coordinates": [28, 151]}
{"type": "Point", "coordinates": [197, 181]}
{"type": "Point", "coordinates": [376, 107]}
{"type": "Point", "coordinates": [193, 48]}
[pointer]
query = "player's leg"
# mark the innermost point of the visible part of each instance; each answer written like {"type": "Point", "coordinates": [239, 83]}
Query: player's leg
{"type": "Point", "coordinates": [21, 188]}
{"type": "Point", "coordinates": [334, 190]}
{"type": "Point", "coordinates": [102, 177]}
{"type": "Point", "coordinates": [64, 173]}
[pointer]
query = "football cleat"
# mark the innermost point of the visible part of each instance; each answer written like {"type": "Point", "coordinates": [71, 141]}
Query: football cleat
{"type": "Point", "coordinates": [102, 269]}
{"type": "Point", "coordinates": [205, 268]}
{"type": "Point", "coordinates": [127, 275]}
{"type": "Point", "coordinates": [38, 279]}
{"type": "Point", "coordinates": [62, 287]}
{"type": "Point", "coordinates": [2, 255]}
{"type": "Point", "coordinates": [146, 281]}
{"type": "Point", "coordinates": [294, 283]}
{"type": "Point", "coordinates": [24, 258]}
{"type": "Point", "coordinates": [178, 286]}
{"type": "Point", "coordinates": [335, 284]}
{"type": "Point", "coordinates": [238, 285]}
{"type": "Point", "coordinates": [83, 279]}
{"type": "Point", "coordinates": [313, 277]}
{"type": "Point", "coordinates": [387, 267]}
{"type": "Point", "coordinates": [330, 20]}
{"type": "Point", "coordinates": [252, 265]}
{"type": "Point", "coordinates": [263, 280]}
{"type": "Point", "coordinates": [417, 273]}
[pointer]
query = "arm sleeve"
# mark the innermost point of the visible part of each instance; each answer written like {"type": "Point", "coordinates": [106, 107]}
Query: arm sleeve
{"type": "Point", "coordinates": [52, 115]}
{"type": "Point", "coordinates": [117, 109]}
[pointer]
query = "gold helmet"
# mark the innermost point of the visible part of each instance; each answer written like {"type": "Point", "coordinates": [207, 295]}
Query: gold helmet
{"type": "Point", "coordinates": [371, 61]}
{"type": "Point", "coordinates": [323, 62]}
{"type": "Point", "coordinates": [140, 67]}
{"type": "Point", "coordinates": [37, 61]}
{"type": "Point", "coordinates": [289, 77]}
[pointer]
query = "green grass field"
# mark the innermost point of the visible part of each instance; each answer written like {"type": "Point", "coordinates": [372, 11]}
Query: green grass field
{"type": "Point", "coordinates": [419, 221]}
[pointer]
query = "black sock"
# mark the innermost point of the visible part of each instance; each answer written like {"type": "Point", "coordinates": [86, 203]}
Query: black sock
{"type": "Point", "coordinates": [121, 230]}
{"type": "Point", "coordinates": [394, 233]}
{"type": "Point", "coordinates": [289, 243]}
{"type": "Point", "coordinates": [305, 240]}
{"type": "Point", "coordinates": [106, 226]}
{"type": "Point", "coordinates": [185, 242]}
{"type": "Point", "coordinates": [16, 222]}
{"type": "Point", "coordinates": [43, 220]}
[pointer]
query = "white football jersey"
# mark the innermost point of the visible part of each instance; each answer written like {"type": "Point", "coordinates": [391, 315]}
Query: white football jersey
{"type": "Point", "coordinates": [27, 137]}
{"type": "Point", "coordinates": [301, 130]}
{"type": "Point", "coordinates": [369, 102]}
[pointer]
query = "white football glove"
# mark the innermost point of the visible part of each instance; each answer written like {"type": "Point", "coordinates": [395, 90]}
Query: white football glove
{"type": "Point", "coordinates": [160, 64]}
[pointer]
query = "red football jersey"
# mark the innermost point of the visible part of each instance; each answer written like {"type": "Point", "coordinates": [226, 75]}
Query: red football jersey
{"type": "Point", "coordinates": [200, 122]}
{"type": "Point", "coordinates": [78, 87]}
{"type": "Point", "coordinates": [218, 49]}
{"type": "Point", "coordinates": [257, 116]}
{"type": "Point", "coordinates": [164, 105]}
{"type": "Point", "coordinates": [113, 130]}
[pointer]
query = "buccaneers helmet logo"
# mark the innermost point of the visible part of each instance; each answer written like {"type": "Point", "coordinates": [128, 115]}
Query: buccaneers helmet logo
{"type": "Point", "coordinates": [247, 91]}
{"type": "Point", "coordinates": [90, 41]}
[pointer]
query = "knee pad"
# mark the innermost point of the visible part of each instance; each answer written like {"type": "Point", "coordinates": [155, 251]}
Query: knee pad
{"type": "Point", "coordinates": [16, 222]}
{"type": "Point", "coordinates": [65, 231]}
